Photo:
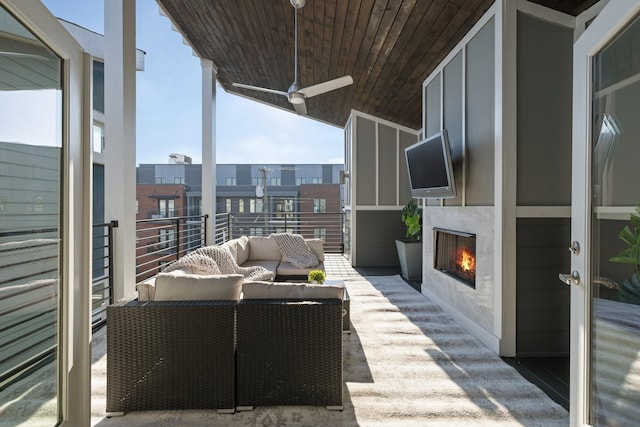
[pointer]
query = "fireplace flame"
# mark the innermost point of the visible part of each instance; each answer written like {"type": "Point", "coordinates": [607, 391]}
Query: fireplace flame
{"type": "Point", "coordinates": [467, 261]}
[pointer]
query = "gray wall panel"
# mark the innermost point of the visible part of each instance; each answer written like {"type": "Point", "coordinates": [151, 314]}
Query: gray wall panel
{"type": "Point", "coordinates": [388, 172]}
{"type": "Point", "coordinates": [377, 232]}
{"type": "Point", "coordinates": [542, 301]}
{"type": "Point", "coordinates": [365, 162]}
{"type": "Point", "coordinates": [544, 113]}
{"type": "Point", "coordinates": [243, 175]}
{"type": "Point", "coordinates": [288, 175]}
{"type": "Point", "coordinates": [433, 107]}
{"type": "Point", "coordinates": [452, 99]}
{"type": "Point", "coordinates": [404, 190]}
{"type": "Point", "coordinates": [480, 114]}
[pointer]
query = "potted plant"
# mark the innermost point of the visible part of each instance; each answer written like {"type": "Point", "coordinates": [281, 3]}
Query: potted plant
{"type": "Point", "coordinates": [316, 276]}
{"type": "Point", "coordinates": [629, 290]}
{"type": "Point", "coordinates": [410, 248]}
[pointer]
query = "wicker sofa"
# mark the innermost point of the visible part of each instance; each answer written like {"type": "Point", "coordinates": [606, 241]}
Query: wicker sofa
{"type": "Point", "coordinates": [280, 344]}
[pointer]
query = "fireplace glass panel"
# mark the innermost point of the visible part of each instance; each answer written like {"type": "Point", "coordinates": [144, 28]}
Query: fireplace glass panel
{"type": "Point", "coordinates": [455, 255]}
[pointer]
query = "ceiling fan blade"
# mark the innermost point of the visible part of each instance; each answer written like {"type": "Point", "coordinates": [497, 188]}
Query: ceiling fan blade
{"type": "Point", "coordinates": [260, 89]}
{"type": "Point", "coordinates": [327, 86]}
{"type": "Point", "coordinates": [300, 108]}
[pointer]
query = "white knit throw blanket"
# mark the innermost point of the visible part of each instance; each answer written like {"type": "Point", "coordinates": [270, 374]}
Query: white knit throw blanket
{"type": "Point", "coordinates": [227, 264]}
{"type": "Point", "coordinates": [295, 250]}
{"type": "Point", "coordinates": [194, 263]}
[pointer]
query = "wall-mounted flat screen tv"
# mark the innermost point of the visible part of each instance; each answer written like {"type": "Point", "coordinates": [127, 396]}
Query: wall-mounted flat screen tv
{"type": "Point", "coordinates": [430, 168]}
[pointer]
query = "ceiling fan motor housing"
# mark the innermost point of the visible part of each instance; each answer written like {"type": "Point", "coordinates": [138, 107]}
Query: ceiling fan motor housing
{"type": "Point", "coordinates": [298, 4]}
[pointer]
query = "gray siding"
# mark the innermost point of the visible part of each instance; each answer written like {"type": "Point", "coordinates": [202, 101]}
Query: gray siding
{"type": "Point", "coordinates": [243, 175]}
{"type": "Point", "coordinates": [377, 232]}
{"type": "Point", "coordinates": [193, 177]}
{"type": "Point", "coordinates": [288, 175]}
{"type": "Point", "coordinates": [432, 111]}
{"type": "Point", "coordinates": [365, 162]}
{"type": "Point", "coordinates": [480, 117]}
{"type": "Point", "coordinates": [146, 174]}
{"type": "Point", "coordinates": [404, 190]}
{"type": "Point", "coordinates": [453, 121]}
{"type": "Point", "coordinates": [542, 301]}
{"type": "Point", "coordinates": [544, 113]}
{"type": "Point", "coordinates": [388, 173]}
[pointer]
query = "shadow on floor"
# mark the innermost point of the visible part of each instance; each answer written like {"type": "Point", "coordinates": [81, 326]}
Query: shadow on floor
{"type": "Point", "coordinates": [550, 374]}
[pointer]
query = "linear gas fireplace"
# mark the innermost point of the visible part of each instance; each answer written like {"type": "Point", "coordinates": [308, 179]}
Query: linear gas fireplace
{"type": "Point", "coordinates": [455, 255]}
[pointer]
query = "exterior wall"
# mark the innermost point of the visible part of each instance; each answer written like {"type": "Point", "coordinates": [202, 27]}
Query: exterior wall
{"type": "Point", "coordinates": [149, 194]}
{"type": "Point", "coordinates": [462, 97]}
{"type": "Point", "coordinates": [378, 188]}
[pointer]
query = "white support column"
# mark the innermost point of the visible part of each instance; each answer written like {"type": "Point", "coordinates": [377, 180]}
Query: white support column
{"type": "Point", "coordinates": [120, 138]}
{"type": "Point", "coordinates": [505, 174]}
{"type": "Point", "coordinates": [209, 147]}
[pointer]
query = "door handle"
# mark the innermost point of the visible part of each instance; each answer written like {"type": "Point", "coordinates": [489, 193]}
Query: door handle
{"type": "Point", "coordinates": [570, 279]}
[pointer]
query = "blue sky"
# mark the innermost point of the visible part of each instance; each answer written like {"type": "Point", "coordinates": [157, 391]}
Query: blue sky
{"type": "Point", "coordinates": [168, 97]}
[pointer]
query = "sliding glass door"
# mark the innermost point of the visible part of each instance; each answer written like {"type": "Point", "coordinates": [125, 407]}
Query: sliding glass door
{"type": "Point", "coordinates": [31, 105]}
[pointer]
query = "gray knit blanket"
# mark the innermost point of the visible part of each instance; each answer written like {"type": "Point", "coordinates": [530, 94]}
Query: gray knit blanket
{"type": "Point", "coordinates": [295, 250]}
{"type": "Point", "coordinates": [227, 264]}
{"type": "Point", "coordinates": [217, 260]}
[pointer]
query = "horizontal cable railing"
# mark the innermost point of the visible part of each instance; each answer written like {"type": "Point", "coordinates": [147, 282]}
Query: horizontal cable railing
{"type": "Point", "coordinates": [325, 225]}
{"type": "Point", "coordinates": [29, 282]}
{"type": "Point", "coordinates": [161, 241]}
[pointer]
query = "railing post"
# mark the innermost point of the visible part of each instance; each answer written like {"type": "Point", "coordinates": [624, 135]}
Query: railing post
{"type": "Point", "coordinates": [177, 238]}
{"type": "Point", "coordinates": [203, 237]}
{"type": "Point", "coordinates": [229, 227]}
{"type": "Point", "coordinates": [113, 224]}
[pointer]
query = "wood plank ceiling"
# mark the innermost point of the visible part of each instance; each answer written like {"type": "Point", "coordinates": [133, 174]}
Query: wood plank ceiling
{"type": "Point", "coordinates": [388, 46]}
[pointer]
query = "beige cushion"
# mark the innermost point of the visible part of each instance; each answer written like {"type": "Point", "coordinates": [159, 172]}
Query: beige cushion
{"type": "Point", "coordinates": [242, 249]}
{"type": "Point", "coordinates": [147, 289]}
{"type": "Point", "coordinates": [263, 249]}
{"type": "Point", "coordinates": [180, 286]}
{"type": "Point", "coordinates": [265, 290]}
{"type": "Point", "coordinates": [239, 248]}
{"type": "Point", "coordinates": [317, 247]}
{"type": "Point", "coordinates": [288, 269]}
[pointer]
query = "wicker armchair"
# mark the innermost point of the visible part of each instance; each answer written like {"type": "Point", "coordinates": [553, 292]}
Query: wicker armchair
{"type": "Point", "coordinates": [170, 355]}
{"type": "Point", "coordinates": [289, 352]}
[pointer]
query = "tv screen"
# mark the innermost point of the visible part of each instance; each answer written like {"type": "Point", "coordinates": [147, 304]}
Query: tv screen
{"type": "Point", "coordinates": [430, 168]}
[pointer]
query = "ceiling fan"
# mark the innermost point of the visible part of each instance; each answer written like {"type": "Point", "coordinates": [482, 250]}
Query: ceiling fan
{"type": "Point", "coordinates": [296, 94]}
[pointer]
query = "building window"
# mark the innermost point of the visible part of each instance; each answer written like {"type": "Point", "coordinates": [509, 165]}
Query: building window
{"type": "Point", "coordinates": [284, 205]}
{"type": "Point", "coordinates": [275, 180]}
{"type": "Point", "coordinates": [241, 205]}
{"type": "Point", "coordinates": [301, 180]}
{"type": "Point", "coordinates": [319, 205]}
{"type": "Point", "coordinates": [230, 180]}
{"type": "Point", "coordinates": [166, 207]}
{"type": "Point", "coordinates": [160, 180]}
{"type": "Point", "coordinates": [178, 180]}
{"type": "Point", "coordinates": [255, 181]}
{"type": "Point", "coordinates": [228, 205]}
{"type": "Point", "coordinates": [98, 138]}
{"type": "Point", "coordinates": [259, 205]}
{"type": "Point", "coordinates": [167, 240]}
{"type": "Point", "coordinates": [316, 180]}
{"type": "Point", "coordinates": [320, 233]}
{"type": "Point", "coordinates": [255, 205]}
{"type": "Point", "coordinates": [255, 231]}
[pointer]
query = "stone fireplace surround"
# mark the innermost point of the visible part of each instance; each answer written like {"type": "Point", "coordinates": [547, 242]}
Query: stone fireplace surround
{"type": "Point", "coordinates": [475, 308]}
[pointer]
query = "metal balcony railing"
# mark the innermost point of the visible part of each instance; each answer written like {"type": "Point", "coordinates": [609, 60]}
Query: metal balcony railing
{"type": "Point", "coordinates": [327, 225]}
{"type": "Point", "coordinates": [161, 241]}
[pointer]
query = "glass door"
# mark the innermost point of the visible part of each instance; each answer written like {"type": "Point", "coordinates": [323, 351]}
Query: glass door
{"type": "Point", "coordinates": [606, 221]}
{"type": "Point", "coordinates": [30, 224]}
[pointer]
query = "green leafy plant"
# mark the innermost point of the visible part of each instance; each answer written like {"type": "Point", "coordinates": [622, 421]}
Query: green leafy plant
{"type": "Point", "coordinates": [629, 290]}
{"type": "Point", "coordinates": [412, 218]}
{"type": "Point", "coordinates": [316, 276]}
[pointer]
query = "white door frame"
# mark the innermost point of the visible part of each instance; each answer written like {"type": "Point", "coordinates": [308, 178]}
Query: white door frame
{"type": "Point", "coordinates": [74, 307]}
{"type": "Point", "coordinates": [615, 15]}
